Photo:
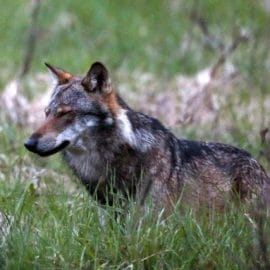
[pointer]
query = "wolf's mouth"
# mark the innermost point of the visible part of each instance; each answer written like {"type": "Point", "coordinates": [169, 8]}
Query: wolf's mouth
{"type": "Point", "coordinates": [60, 147]}
{"type": "Point", "coordinates": [49, 152]}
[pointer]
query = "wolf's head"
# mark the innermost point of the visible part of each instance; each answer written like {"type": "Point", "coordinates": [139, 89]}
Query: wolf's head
{"type": "Point", "coordinates": [77, 104]}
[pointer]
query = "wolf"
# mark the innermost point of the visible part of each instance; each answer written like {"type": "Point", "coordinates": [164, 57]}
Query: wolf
{"type": "Point", "coordinates": [112, 148]}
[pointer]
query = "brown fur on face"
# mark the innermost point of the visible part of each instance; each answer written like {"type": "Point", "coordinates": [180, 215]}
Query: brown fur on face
{"type": "Point", "coordinates": [55, 124]}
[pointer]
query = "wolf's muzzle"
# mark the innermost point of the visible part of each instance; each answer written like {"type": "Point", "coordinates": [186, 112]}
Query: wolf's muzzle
{"type": "Point", "coordinates": [33, 145]}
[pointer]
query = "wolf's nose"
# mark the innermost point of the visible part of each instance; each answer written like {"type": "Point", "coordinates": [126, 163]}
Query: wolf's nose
{"type": "Point", "coordinates": [31, 144]}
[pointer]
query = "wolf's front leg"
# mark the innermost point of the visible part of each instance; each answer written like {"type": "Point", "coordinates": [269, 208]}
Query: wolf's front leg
{"type": "Point", "coordinates": [154, 196]}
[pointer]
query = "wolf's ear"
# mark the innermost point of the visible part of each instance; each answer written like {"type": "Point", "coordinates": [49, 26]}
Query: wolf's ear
{"type": "Point", "coordinates": [60, 76]}
{"type": "Point", "coordinates": [97, 78]}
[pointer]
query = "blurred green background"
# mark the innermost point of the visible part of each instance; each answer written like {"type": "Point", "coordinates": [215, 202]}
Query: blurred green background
{"type": "Point", "coordinates": [145, 35]}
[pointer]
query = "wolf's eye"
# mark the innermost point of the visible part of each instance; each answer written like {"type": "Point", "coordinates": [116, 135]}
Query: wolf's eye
{"type": "Point", "coordinates": [62, 111]}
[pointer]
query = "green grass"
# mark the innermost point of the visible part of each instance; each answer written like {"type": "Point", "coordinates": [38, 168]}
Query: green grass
{"type": "Point", "coordinates": [57, 230]}
{"type": "Point", "coordinates": [56, 225]}
{"type": "Point", "coordinates": [144, 35]}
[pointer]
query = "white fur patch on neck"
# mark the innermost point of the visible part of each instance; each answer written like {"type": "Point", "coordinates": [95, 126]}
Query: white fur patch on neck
{"type": "Point", "coordinates": [126, 128]}
{"type": "Point", "coordinates": [139, 139]}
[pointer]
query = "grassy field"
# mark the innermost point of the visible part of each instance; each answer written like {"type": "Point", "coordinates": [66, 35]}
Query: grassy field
{"type": "Point", "coordinates": [47, 220]}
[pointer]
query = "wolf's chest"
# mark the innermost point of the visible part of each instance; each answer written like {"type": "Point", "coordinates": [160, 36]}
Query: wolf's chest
{"type": "Point", "coordinates": [88, 165]}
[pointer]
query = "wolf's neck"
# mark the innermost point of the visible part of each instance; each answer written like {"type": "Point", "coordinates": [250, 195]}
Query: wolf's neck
{"type": "Point", "coordinates": [115, 148]}
{"type": "Point", "coordinates": [139, 137]}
